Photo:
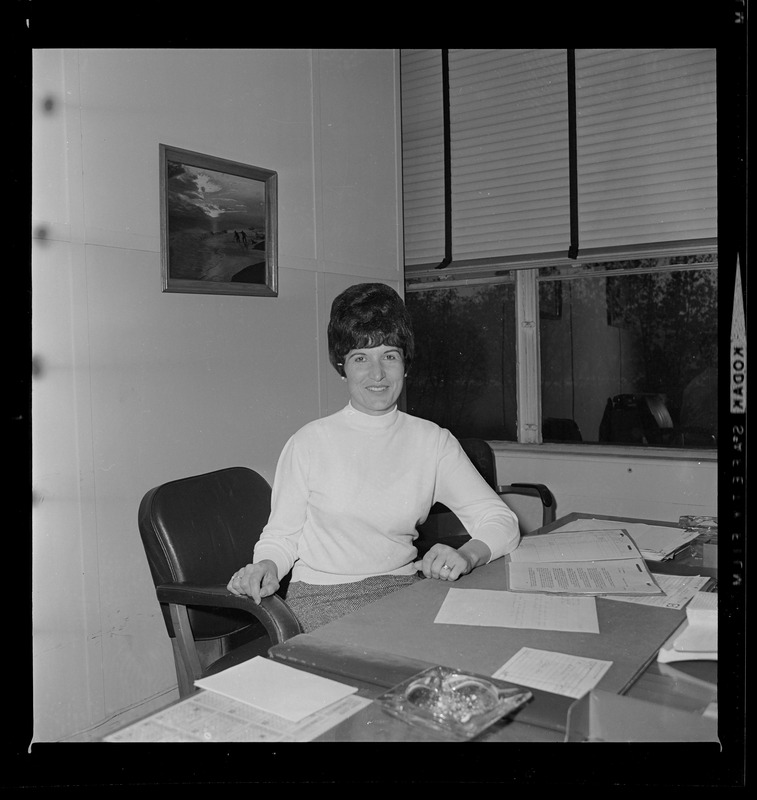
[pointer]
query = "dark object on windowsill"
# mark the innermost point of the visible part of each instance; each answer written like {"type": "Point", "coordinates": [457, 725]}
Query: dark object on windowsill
{"type": "Point", "coordinates": [645, 419]}
{"type": "Point", "coordinates": [555, 429]}
{"type": "Point", "coordinates": [636, 419]}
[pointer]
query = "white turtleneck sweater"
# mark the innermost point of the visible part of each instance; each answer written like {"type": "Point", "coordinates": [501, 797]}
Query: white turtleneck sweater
{"type": "Point", "coordinates": [350, 488]}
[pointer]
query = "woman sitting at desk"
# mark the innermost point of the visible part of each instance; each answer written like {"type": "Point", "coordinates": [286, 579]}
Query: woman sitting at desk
{"type": "Point", "coordinates": [350, 488]}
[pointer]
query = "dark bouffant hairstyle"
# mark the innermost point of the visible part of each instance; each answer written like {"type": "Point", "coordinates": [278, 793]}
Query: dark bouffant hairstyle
{"type": "Point", "coordinates": [368, 315]}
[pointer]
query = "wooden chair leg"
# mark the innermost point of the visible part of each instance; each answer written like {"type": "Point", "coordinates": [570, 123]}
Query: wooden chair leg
{"type": "Point", "coordinates": [185, 683]}
{"type": "Point", "coordinates": [184, 643]}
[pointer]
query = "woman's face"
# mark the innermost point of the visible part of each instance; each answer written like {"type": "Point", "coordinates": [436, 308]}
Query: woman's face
{"type": "Point", "coordinates": [375, 377]}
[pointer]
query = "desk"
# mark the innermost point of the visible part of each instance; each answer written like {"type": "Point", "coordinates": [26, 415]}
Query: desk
{"type": "Point", "coordinates": [386, 642]}
{"type": "Point", "coordinates": [400, 626]}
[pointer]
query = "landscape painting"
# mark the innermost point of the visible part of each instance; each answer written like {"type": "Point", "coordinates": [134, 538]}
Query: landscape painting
{"type": "Point", "coordinates": [218, 225]}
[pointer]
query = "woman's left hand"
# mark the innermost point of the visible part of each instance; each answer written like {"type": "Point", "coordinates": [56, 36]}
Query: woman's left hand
{"type": "Point", "coordinates": [444, 563]}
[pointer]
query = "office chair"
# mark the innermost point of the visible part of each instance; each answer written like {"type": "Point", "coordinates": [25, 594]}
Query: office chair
{"type": "Point", "coordinates": [197, 531]}
{"type": "Point", "coordinates": [641, 418]}
{"type": "Point", "coordinates": [482, 456]}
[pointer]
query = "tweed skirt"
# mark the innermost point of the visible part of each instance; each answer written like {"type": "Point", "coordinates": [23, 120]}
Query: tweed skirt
{"type": "Point", "coordinates": [316, 604]}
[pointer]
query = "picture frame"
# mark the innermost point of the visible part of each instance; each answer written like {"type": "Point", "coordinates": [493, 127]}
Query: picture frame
{"type": "Point", "coordinates": [218, 225]}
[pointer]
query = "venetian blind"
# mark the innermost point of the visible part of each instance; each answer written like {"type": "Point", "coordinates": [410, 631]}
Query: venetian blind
{"type": "Point", "coordinates": [646, 169]}
{"type": "Point", "coordinates": [423, 156]}
{"type": "Point", "coordinates": [647, 151]}
{"type": "Point", "coordinates": [509, 146]}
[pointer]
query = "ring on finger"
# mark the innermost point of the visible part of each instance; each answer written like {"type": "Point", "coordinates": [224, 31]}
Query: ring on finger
{"type": "Point", "coordinates": [446, 567]}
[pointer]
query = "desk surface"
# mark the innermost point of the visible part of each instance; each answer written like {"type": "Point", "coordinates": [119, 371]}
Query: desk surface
{"type": "Point", "coordinates": [401, 625]}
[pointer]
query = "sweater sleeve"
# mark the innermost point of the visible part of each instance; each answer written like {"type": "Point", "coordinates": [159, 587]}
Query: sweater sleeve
{"type": "Point", "coordinates": [279, 538]}
{"type": "Point", "coordinates": [460, 486]}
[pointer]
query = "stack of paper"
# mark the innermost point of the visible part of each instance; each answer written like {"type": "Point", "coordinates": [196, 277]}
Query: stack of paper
{"type": "Point", "coordinates": [580, 562]}
{"type": "Point", "coordinates": [658, 543]}
{"type": "Point", "coordinates": [655, 542]}
{"type": "Point", "coordinates": [276, 688]}
{"type": "Point", "coordinates": [697, 637]}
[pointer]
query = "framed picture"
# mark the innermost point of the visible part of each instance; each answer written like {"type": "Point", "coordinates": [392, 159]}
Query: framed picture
{"type": "Point", "coordinates": [218, 225]}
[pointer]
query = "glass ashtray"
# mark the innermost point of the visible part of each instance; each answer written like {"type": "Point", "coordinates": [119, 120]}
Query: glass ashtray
{"type": "Point", "coordinates": [454, 702]}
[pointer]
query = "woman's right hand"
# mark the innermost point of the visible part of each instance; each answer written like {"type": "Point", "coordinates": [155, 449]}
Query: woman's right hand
{"type": "Point", "coordinates": [255, 580]}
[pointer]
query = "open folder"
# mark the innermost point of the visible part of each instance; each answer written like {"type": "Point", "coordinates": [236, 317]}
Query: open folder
{"type": "Point", "coordinates": [580, 562]}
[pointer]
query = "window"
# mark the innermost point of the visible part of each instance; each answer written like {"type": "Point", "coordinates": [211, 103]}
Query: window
{"type": "Point", "coordinates": [463, 376]}
{"type": "Point", "coordinates": [562, 270]}
{"type": "Point", "coordinates": [627, 352]}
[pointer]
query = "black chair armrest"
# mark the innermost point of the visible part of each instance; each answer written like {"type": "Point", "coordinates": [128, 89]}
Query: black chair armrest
{"type": "Point", "coordinates": [275, 615]}
{"type": "Point", "coordinates": [534, 490]}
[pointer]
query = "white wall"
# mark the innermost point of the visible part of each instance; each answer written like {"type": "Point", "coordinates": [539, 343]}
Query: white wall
{"type": "Point", "coordinates": [136, 387]}
{"type": "Point", "coordinates": [622, 481]}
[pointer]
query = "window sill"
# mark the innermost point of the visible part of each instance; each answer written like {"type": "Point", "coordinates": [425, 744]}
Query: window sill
{"type": "Point", "coordinates": [610, 451]}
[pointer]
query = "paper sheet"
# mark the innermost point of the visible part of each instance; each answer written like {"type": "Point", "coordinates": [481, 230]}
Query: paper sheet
{"type": "Point", "coordinates": [655, 542]}
{"type": "Point", "coordinates": [211, 717]}
{"type": "Point", "coordinates": [277, 688]}
{"type": "Point", "coordinates": [628, 576]}
{"type": "Point", "coordinates": [510, 610]}
{"type": "Point", "coordinates": [558, 673]}
{"type": "Point", "coordinates": [677, 591]}
{"type": "Point", "coordinates": [598, 544]}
